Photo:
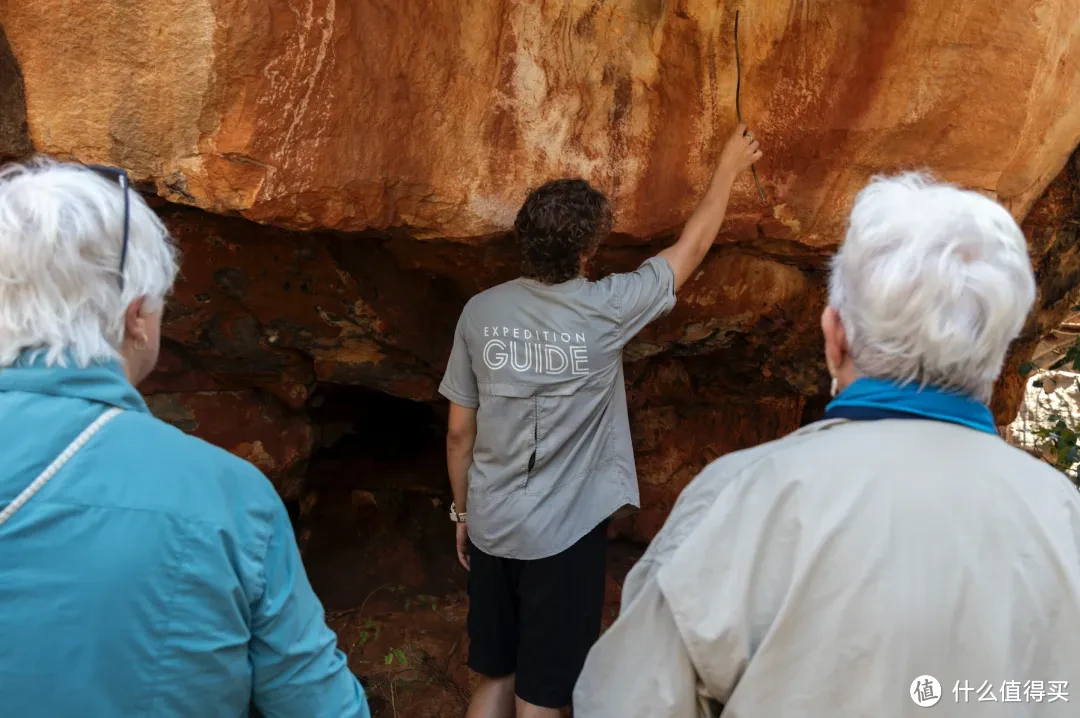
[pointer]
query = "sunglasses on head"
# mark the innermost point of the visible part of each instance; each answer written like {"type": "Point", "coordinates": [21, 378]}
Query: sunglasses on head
{"type": "Point", "coordinates": [119, 176]}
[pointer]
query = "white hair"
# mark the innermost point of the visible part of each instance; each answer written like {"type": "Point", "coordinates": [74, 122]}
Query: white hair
{"type": "Point", "coordinates": [61, 235]}
{"type": "Point", "coordinates": [932, 284]}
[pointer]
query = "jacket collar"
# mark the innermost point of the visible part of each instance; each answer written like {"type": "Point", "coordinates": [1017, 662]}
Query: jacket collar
{"type": "Point", "coordinates": [870, 398]}
{"type": "Point", "coordinates": [102, 382]}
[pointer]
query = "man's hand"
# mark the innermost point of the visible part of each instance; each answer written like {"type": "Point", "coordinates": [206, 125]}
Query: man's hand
{"type": "Point", "coordinates": [463, 545]}
{"type": "Point", "coordinates": [686, 255]}
{"type": "Point", "coordinates": [739, 153]}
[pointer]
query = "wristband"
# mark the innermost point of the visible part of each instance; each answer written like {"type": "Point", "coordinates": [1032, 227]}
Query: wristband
{"type": "Point", "coordinates": [455, 516]}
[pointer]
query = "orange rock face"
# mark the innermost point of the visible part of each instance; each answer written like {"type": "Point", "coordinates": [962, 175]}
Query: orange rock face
{"type": "Point", "coordinates": [436, 115]}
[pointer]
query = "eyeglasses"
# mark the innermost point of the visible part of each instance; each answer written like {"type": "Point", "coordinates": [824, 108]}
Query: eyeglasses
{"type": "Point", "coordinates": [122, 179]}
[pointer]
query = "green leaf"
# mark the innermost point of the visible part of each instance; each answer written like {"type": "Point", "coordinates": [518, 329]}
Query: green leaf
{"type": "Point", "coordinates": [388, 658]}
{"type": "Point", "coordinates": [402, 658]}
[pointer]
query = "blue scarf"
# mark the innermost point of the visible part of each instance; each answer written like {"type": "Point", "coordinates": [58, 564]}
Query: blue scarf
{"type": "Point", "coordinates": [883, 399]}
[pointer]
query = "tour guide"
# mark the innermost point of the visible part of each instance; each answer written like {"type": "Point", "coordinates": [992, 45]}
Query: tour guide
{"type": "Point", "coordinates": [539, 440]}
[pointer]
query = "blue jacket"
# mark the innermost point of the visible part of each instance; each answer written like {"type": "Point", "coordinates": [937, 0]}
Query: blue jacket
{"type": "Point", "coordinates": [154, 575]}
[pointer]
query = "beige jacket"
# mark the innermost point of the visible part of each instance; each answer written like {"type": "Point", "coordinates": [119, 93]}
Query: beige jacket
{"type": "Point", "coordinates": [821, 574]}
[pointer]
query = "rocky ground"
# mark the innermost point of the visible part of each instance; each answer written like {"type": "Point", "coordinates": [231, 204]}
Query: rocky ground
{"type": "Point", "coordinates": [384, 565]}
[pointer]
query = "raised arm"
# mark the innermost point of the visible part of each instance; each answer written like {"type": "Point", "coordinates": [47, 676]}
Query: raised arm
{"type": "Point", "coordinates": [686, 255]}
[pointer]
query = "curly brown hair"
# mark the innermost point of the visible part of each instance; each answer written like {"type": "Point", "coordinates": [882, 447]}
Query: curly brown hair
{"type": "Point", "coordinates": [559, 222]}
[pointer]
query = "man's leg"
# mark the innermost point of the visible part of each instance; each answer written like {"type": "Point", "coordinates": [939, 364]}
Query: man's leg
{"type": "Point", "coordinates": [561, 600]}
{"type": "Point", "coordinates": [493, 633]}
{"type": "Point", "coordinates": [528, 710]}
{"type": "Point", "coordinates": [493, 698]}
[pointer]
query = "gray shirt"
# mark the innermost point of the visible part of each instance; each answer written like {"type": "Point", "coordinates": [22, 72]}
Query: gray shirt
{"type": "Point", "coordinates": [542, 365]}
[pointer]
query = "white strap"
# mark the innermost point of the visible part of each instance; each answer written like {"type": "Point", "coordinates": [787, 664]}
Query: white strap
{"type": "Point", "coordinates": [57, 464]}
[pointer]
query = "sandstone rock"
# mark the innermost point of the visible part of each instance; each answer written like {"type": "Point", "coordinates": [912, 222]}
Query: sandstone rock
{"type": "Point", "coordinates": [251, 426]}
{"type": "Point", "coordinates": [14, 138]}
{"type": "Point", "coordinates": [1053, 231]}
{"type": "Point", "coordinates": [425, 115]}
{"type": "Point", "coordinates": [737, 362]}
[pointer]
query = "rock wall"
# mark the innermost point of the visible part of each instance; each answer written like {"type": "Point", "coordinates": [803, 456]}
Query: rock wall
{"type": "Point", "coordinates": [435, 115]}
{"type": "Point", "coordinates": [14, 137]}
{"type": "Point", "coordinates": [341, 177]}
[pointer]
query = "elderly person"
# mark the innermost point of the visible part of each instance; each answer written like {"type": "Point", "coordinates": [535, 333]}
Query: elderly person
{"type": "Point", "coordinates": [144, 572]}
{"type": "Point", "coordinates": [894, 555]}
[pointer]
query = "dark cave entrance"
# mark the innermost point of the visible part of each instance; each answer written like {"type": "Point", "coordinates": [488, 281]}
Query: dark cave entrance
{"type": "Point", "coordinates": [378, 548]}
{"type": "Point", "coordinates": [376, 495]}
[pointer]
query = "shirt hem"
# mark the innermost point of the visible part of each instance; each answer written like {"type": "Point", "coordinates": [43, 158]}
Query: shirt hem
{"type": "Point", "coordinates": [576, 536]}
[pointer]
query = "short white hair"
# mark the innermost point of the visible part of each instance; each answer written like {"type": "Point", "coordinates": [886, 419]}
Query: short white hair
{"type": "Point", "coordinates": [61, 235]}
{"type": "Point", "coordinates": [932, 284]}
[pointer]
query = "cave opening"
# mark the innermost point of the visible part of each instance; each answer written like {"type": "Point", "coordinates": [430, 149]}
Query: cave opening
{"type": "Point", "coordinates": [376, 493]}
{"type": "Point", "coordinates": [379, 551]}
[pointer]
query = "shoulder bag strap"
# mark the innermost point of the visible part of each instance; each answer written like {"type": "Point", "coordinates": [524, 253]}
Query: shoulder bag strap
{"type": "Point", "coordinates": [57, 464]}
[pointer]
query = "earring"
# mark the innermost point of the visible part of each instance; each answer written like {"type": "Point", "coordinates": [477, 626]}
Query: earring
{"type": "Point", "coordinates": [141, 343]}
{"type": "Point", "coordinates": [835, 386]}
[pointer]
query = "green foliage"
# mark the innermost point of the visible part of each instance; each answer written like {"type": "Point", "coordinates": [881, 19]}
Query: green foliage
{"type": "Point", "coordinates": [1059, 440]}
{"type": "Point", "coordinates": [370, 632]}
{"type": "Point", "coordinates": [1059, 443]}
{"type": "Point", "coordinates": [398, 654]}
{"type": "Point", "coordinates": [422, 601]}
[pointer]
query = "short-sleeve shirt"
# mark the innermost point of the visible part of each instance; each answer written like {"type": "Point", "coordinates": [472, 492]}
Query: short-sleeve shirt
{"type": "Point", "coordinates": [542, 365]}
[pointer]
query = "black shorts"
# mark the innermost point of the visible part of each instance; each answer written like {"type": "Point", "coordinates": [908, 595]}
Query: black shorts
{"type": "Point", "coordinates": [537, 619]}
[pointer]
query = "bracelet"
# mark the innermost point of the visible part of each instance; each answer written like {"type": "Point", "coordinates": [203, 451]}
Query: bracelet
{"type": "Point", "coordinates": [455, 516]}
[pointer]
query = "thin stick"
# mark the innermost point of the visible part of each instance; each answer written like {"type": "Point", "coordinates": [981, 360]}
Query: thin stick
{"type": "Point", "coordinates": [738, 104]}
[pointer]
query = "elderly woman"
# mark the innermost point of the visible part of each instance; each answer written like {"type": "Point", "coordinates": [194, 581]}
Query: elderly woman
{"type": "Point", "coordinates": [144, 572]}
{"type": "Point", "coordinates": [897, 553]}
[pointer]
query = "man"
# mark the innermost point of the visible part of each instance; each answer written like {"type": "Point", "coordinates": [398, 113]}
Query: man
{"type": "Point", "coordinates": [538, 447]}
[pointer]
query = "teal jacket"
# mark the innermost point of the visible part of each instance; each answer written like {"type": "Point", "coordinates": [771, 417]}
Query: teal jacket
{"type": "Point", "coordinates": [154, 575]}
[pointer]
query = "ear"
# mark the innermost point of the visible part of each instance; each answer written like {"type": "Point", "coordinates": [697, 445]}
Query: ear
{"type": "Point", "coordinates": [135, 320]}
{"type": "Point", "coordinates": [836, 345]}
